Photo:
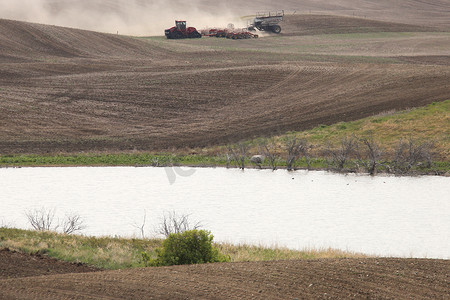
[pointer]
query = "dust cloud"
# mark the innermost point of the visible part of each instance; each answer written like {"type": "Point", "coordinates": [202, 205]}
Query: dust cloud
{"type": "Point", "coordinates": [135, 17]}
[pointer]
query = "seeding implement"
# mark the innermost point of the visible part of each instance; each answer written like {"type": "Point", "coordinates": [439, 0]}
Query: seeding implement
{"type": "Point", "coordinates": [179, 31]}
{"type": "Point", "coordinates": [229, 34]}
{"type": "Point", "coordinates": [262, 22]}
{"type": "Point", "coordinates": [267, 22]}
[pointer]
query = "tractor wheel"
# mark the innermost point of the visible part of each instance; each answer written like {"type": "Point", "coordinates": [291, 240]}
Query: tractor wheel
{"type": "Point", "coordinates": [177, 35]}
{"type": "Point", "coordinates": [276, 29]}
{"type": "Point", "coordinates": [195, 35]}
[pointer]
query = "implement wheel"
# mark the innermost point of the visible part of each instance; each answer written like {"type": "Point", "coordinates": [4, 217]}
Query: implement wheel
{"type": "Point", "coordinates": [276, 29]}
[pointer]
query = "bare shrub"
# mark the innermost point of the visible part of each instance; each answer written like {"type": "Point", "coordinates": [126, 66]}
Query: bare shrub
{"type": "Point", "coordinates": [295, 148]}
{"type": "Point", "coordinates": [141, 226]}
{"type": "Point", "coordinates": [41, 219]}
{"type": "Point", "coordinates": [237, 154]}
{"type": "Point", "coordinates": [269, 149]}
{"type": "Point", "coordinates": [370, 156]}
{"type": "Point", "coordinates": [72, 223]}
{"type": "Point", "coordinates": [155, 162]}
{"type": "Point", "coordinates": [3, 224]}
{"type": "Point", "coordinates": [44, 220]}
{"type": "Point", "coordinates": [173, 223]}
{"type": "Point", "coordinates": [411, 153]}
{"type": "Point", "coordinates": [341, 155]}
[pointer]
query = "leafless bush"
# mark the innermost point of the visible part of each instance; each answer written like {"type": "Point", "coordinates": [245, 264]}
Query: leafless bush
{"type": "Point", "coordinates": [371, 155]}
{"type": "Point", "coordinates": [154, 162]}
{"type": "Point", "coordinates": [341, 155]}
{"type": "Point", "coordinates": [173, 223]}
{"type": "Point", "coordinates": [141, 226]}
{"type": "Point", "coordinates": [44, 220]}
{"type": "Point", "coordinates": [411, 153]}
{"type": "Point", "coordinates": [3, 224]}
{"type": "Point", "coordinates": [237, 154]}
{"type": "Point", "coordinates": [41, 219]}
{"type": "Point", "coordinates": [269, 149]}
{"type": "Point", "coordinates": [72, 223]}
{"type": "Point", "coordinates": [296, 148]}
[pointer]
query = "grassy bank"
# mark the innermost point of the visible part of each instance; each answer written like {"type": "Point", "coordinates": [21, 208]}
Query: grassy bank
{"type": "Point", "coordinates": [430, 123]}
{"type": "Point", "coordinates": [120, 159]}
{"type": "Point", "coordinates": [120, 253]}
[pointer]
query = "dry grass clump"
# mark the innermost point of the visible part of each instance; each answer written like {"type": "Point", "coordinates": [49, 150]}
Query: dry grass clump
{"type": "Point", "coordinates": [428, 123]}
{"type": "Point", "coordinates": [102, 252]}
{"type": "Point", "coordinates": [244, 252]}
{"type": "Point", "coordinates": [120, 253]}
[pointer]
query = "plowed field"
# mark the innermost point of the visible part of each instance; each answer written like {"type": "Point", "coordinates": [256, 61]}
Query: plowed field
{"type": "Point", "coordinates": [68, 90]}
{"type": "Point", "coordinates": [18, 265]}
{"type": "Point", "coordinates": [379, 278]}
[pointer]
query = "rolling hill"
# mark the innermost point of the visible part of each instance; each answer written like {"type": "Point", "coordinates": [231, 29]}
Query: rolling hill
{"type": "Point", "coordinates": [71, 90]}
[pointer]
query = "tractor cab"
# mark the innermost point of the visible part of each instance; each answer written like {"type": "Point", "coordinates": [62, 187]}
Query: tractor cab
{"type": "Point", "coordinates": [181, 25]}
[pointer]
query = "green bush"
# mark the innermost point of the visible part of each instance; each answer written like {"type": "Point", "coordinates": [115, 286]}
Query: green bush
{"type": "Point", "coordinates": [188, 247]}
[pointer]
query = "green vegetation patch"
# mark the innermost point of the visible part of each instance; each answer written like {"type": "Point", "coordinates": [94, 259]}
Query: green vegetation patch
{"type": "Point", "coordinates": [425, 124]}
{"type": "Point", "coordinates": [118, 253]}
{"type": "Point", "coordinates": [102, 252]}
{"type": "Point", "coordinates": [431, 123]}
{"type": "Point", "coordinates": [122, 159]}
{"type": "Point", "coordinates": [187, 248]}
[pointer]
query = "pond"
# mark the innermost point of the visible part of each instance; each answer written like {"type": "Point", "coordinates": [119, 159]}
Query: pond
{"type": "Point", "coordinates": [382, 215]}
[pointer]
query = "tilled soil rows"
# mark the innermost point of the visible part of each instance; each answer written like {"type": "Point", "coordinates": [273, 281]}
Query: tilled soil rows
{"type": "Point", "coordinates": [68, 90]}
{"type": "Point", "coordinates": [18, 265]}
{"type": "Point", "coordinates": [392, 278]}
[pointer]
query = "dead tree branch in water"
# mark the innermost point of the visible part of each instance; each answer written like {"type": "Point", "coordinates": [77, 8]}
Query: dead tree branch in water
{"type": "Point", "coordinates": [371, 157]}
{"type": "Point", "coordinates": [412, 153]}
{"type": "Point", "coordinates": [341, 155]}
{"type": "Point", "coordinates": [295, 148]}
{"type": "Point", "coordinates": [269, 149]}
{"type": "Point", "coordinates": [237, 153]}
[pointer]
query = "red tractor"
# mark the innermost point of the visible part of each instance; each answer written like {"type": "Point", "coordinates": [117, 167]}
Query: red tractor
{"type": "Point", "coordinates": [179, 31]}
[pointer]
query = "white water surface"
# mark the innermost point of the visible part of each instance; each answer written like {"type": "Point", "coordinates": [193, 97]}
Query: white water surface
{"type": "Point", "coordinates": [382, 215]}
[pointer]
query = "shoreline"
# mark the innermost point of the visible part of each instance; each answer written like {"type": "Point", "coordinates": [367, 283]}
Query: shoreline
{"type": "Point", "coordinates": [426, 172]}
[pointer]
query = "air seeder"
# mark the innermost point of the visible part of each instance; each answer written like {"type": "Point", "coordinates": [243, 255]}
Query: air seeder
{"type": "Point", "coordinates": [267, 22]}
{"type": "Point", "coordinates": [262, 22]}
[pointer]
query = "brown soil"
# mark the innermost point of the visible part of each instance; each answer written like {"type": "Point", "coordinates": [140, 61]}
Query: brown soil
{"type": "Point", "coordinates": [325, 24]}
{"type": "Point", "coordinates": [379, 278]}
{"type": "Point", "coordinates": [68, 90]}
{"type": "Point", "coordinates": [17, 265]}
